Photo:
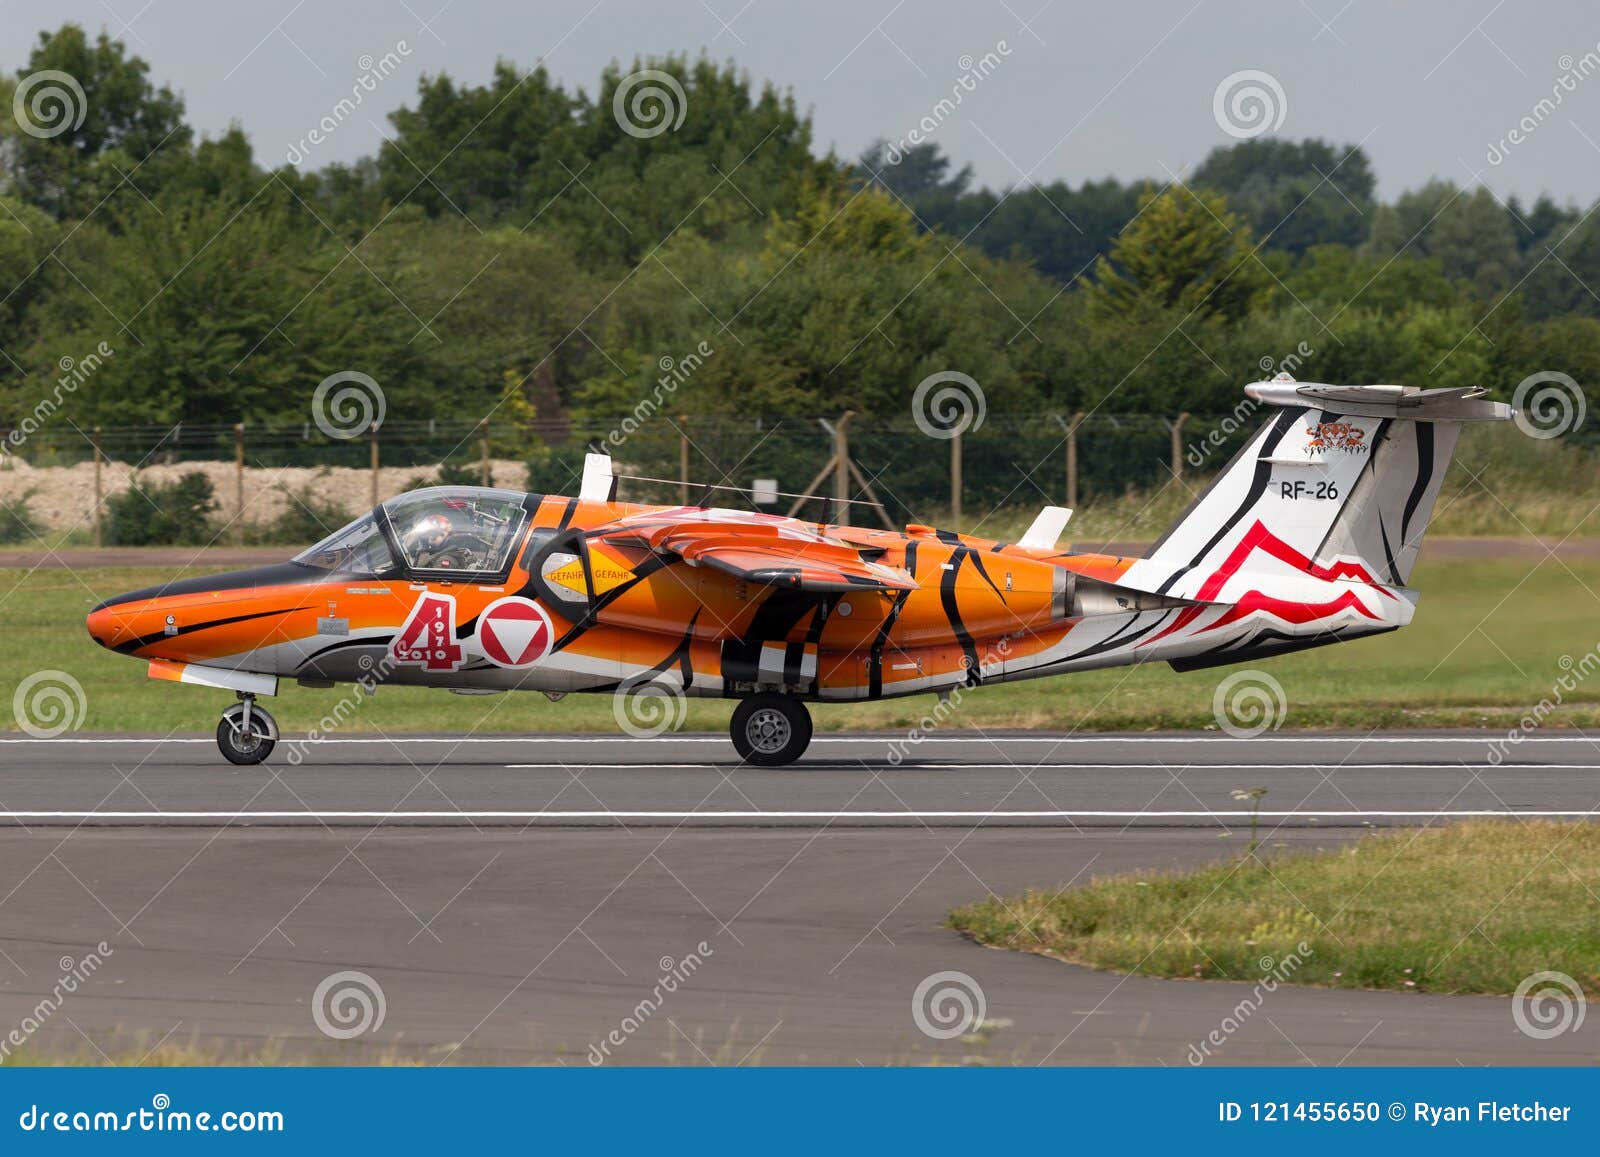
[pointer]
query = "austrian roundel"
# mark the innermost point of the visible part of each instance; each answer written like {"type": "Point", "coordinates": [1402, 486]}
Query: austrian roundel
{"type": "Point", "coordinates": [514, 632]}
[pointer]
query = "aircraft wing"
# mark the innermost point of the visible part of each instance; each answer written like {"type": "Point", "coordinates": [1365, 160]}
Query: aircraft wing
{"type": "Point", "coordinates": [770, 553]}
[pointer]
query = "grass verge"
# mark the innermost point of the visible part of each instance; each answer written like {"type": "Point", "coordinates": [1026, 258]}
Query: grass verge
{"type": "Point", "coordinates": [1473, 907]}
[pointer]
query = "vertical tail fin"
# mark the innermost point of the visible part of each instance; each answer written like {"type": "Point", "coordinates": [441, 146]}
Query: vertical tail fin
{"type": "Point", "coordinates": [1339, 485]}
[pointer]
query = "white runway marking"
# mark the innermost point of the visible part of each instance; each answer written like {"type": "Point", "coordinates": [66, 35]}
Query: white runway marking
{"type": "Point", "coordinates": [624, 816]}
{"type": "Point", "coordinates": [1023, 765]}
{"type": "Point", "coordinates": [1073, 740]}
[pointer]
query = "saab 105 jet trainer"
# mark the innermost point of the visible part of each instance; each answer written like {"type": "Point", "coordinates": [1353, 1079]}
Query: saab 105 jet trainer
{"type": "Point", "coordinates": [1307, 537]}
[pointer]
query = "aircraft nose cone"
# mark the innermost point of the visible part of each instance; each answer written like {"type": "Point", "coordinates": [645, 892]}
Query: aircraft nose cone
{"type": "Point", "coordinates": [103, 624]}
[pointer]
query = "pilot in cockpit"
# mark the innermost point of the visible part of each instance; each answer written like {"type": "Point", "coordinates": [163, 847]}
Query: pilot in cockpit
{"type": "Point", "coordinates": [463, 538]}
{"type": "Point", "coordinates": [426, 540]}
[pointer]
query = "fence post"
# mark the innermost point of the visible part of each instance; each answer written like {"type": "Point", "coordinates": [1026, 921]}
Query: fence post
{"type": "Point", "coordinates": [1177, 444]}
{"type": "Point", "coordinates": [841, 465]}
{"type": "Point", "coordinates": [485, 474]}
{"type": "Point", "coordinates": [1072, 460]}
{"type": "Point", "coordinates": [238, 481]}
{"type": "Point", "coordinates": [374, 464]}
{"type": "Point", "coordinates": [955, 480]}
{"type": "Point", "coordinates": [842, 460]}
{"type": "Point", "coordinates": [98, 492]}
{"type": "Point", "coordinates": [683, 461]}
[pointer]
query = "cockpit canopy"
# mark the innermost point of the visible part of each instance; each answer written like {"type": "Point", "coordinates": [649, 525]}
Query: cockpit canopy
{"type": "Point", "coordinates": [446, 531]}
{"type": "Point", "coordinates": [359, 549]}
{"type": "Point", "coordinates": [456, 528]}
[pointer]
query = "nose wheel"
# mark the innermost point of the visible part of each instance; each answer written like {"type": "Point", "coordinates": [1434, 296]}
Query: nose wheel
{"type": "Point", "coordinates": [247, 734]}
{"type": "Point", "coordinates": [771, 730]}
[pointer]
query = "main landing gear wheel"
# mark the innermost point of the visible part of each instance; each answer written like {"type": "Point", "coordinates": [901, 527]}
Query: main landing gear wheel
{"type": "Point", "coordinates": [771, 730]}
{"type": "Point", "coordinates": [247, 734]}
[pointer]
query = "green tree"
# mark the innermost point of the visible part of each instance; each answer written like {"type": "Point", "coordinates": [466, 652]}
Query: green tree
{"type": "Point", "coordinates": [111, 119]}
{"type": "Point", "coordinates": [483, 151]}
{"type": "Point", "coordinates": [1061, 231]}
{"type": "Point", "coordinates": [523, 151]}
{"type": "Point", "coordinates": [1469, 234]}
{"type": "Point", "coordinates": [1294, 194]}
{"type": "Point", "coordinates": [26, 237]}
{"type": "Point", "coordinates": [1185, 252]}
{"type": "Point", "coordinates": [1564, 269]}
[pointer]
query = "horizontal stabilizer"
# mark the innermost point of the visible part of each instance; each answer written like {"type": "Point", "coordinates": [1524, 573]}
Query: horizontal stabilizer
{"type": "Point", "coordinates": [1452, 404]}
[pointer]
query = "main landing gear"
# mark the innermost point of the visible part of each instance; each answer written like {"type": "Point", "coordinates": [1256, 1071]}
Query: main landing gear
{"type": "Point", "coordinates": [247, 734]}
{"type": "Point", "coordinates": [771, 730]}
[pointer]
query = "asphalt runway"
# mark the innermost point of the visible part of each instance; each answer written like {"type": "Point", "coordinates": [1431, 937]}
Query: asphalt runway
{"type": "Point", "coordinates": [941, 781]}
{"type": "Point", "coordinates": [518, 900]}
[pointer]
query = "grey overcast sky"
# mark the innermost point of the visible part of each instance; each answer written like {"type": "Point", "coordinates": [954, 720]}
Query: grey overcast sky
{"type": "Point", "coordinates": [1084, 90]}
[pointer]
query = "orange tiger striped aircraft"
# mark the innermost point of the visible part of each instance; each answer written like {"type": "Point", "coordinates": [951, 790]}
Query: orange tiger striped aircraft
{"type": "Point", "coordinates": [1306, 538]}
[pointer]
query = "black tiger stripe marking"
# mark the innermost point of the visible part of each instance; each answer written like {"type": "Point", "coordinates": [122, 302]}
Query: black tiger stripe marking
{"type": "Point", "coordinates": [880, 641]}
{"type": "Point", "coordinates": [130, 647]}
{"type": "Point", "coordinates": [983, 572]}
{"type": "Point", "coordinates": [678, 656]}
{"type": "Point", "coordinates": [952, 609]}
{"type": "Point", "coordinates": [278, 574]}
{"type": "Point", "coordinates": [1388, 551]}
{"type": "Point", "coordinates": [1425, 454]}
{"type": "Point", "coordinates": [1120, 638]}
{"type": "Point", "coordinates": [819, 620]}
{"type": "Point", "coordinates": [644, 570]}
{"type": "Point", "coordinates": [1258, 487]}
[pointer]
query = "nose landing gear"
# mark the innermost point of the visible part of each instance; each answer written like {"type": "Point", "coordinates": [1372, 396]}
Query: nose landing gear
{"type": "Point", "coordinates": [770, 730]}
{"type": "Point", "coordinates": [247, 734]}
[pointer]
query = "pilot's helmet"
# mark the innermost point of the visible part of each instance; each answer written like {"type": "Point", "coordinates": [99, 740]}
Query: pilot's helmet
{"type": "Point", "coordinates": [429, 532]}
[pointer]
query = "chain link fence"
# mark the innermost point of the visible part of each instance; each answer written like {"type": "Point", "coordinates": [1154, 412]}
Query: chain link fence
{"type": "Point", "coordinates": [917, 472]}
